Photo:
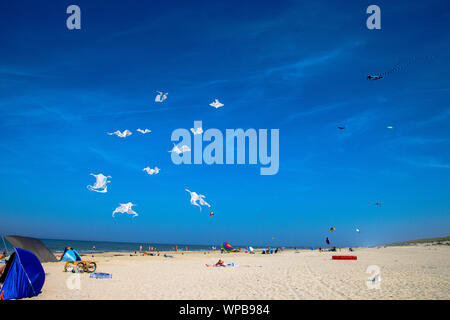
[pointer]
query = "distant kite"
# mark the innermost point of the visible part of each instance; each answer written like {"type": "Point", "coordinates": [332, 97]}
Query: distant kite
{"type": "Point", "coordinates": [374, 77]}
{"type": "Point", "coordinates": [357, 230]}
{"type": "Point", "coordinates": [197, 131]}
{"type": "Point", "coordinates": [125, 208]}
{"type": "Point", "coordinates": [377, 204]}
{"type": "Point", "coordinates": [211, 214]}
{"type": "Point", "coordinates": [100, 183]}
{"type": "Point", "coordinates": [389, 127]}
{"type": "Point", "coordinates": [327, 241]}
{"type": "Point", "coordinates": [178, 150]}
{"type": "Point", "coordinates": [151, 171]}
{"type": "Point", "coordinates": [398, 67]}
{"type": "Point", "coordinates": [216, 104]}
{"type": "Point", "coordinates": [144, 131]}
{"type": "Point", "coordinates": [197, 197]}
{"type": "Point", "coordinates": [123, 134]}
{"type": "Point", "coordinates": [332, 229]}
{"type": "Point", "coordinates": [341, 128]}
{"type": "Point", "coordinates": [161, 97]}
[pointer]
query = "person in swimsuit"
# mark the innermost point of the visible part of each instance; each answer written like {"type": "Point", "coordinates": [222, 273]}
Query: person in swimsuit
{"type": "Point", "coordinates": [220, 263]}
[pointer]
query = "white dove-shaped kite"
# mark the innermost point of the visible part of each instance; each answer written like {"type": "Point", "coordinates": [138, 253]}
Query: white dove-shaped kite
{"type": "Point", "coordinates": [197, 197]}
{"type": "Point", "coordinates": [151, 171]}
{"type": "Point", "coordinates": [178, 150]}
{"type": "Point", "coordinates": [123, 134]}
{"type": "Point", "coordinates": [216, 104]}
{"type": "Point", "coordinates": [125, 208]}
{"type": "Point", "coordinates": [160, 96]}
{"type": "Point", "coordinates": [144, 131]}
{"type": "Point", "coordinates": [197, 131]}
{"type": "Point", "coordinates": [100, 183]}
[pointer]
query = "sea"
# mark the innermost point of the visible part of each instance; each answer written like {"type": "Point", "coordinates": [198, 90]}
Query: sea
{"type": "Point", "coordinates": [85, 247]}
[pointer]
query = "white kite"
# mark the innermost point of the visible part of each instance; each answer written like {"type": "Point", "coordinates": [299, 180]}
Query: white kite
{"type": "Point", "coordinates": [178, 150]}
{"type": "Point", "coordinates": [161, 97]}
{"type": "Point", "coordinates": [123, 134]}
{"type": "Point", "coordinates": [125, 208]}
{"type": "Point", "coordinates": [100, 183]}
{"type": "Point", "coordinates": [197, 131]}
{"type": "Point", "coordinates": [216, 104]}
{"type": "Point", "coordinates": [144, 131]}
{"type": "Point", "coordinates": [197, 197]}
{"type": "Point", "coordinates": [151, 171]}
{"type": "Point", "coordinates": [357, 230]}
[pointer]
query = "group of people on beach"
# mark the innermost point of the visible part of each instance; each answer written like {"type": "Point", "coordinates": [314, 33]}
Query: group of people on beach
{"type": "Point", "coordinates": [270, 250]}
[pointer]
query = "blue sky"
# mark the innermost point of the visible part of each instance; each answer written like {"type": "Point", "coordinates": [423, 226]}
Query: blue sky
{"type": "Point", "coordinates": [296, 66]}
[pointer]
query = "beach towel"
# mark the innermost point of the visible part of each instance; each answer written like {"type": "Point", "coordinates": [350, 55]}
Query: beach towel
{"type": "Point", "coordinates": [99, 275]}
{"type": "Point", "coordinates": [217, 266]}
{"type": "Point", "coordinates": [344, 257]}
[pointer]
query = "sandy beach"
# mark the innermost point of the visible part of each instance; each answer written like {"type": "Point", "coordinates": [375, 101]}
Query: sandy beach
{"type": "Point", "coordinates": [410, 272]}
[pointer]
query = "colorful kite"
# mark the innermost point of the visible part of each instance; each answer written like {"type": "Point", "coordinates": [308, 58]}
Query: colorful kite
{"type": "Point", "coordinates": [332, 229]}
{"type": "Point", "coordinates": [229, 248]}
{"type": "Point", "coordinates": [369, 77]}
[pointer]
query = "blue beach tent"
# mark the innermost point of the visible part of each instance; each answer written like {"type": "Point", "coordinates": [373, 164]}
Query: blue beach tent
{"type": "Point", "coordinates": [70, 255]}
{"type": "Point", "coordinates": [23, 276]}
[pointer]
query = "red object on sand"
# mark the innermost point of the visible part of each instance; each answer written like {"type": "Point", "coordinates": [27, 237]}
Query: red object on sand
{"type": "Point", "coordinates": [344, 257]}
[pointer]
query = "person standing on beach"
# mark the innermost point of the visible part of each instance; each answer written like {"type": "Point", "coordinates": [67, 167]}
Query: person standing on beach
{"type": "Point", "coordinates": [140, 248]}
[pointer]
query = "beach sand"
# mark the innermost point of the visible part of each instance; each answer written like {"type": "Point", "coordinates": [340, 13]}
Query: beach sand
{"type": "Point", "coordinates": [413, 272]}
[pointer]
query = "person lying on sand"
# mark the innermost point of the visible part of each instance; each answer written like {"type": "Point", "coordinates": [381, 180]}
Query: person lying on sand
{"type": "Point", "coordinates": [220, 263]}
